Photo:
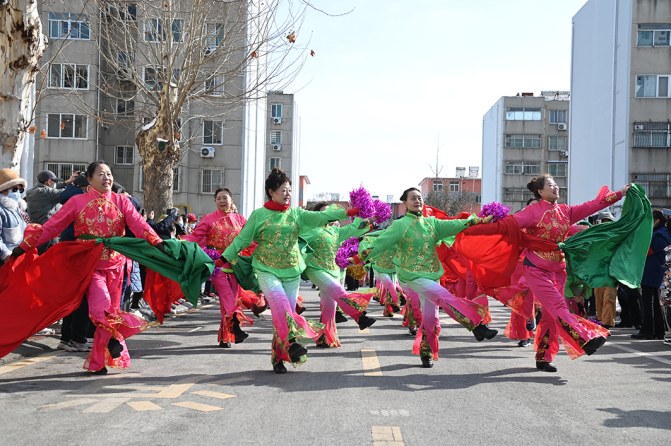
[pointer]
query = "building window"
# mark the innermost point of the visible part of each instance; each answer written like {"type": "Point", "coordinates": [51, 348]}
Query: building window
{"type": "Point", "coordinates": [66, 125]}
{"type": "Point", "coordinates": [214, 86]}
{"type": "Point", "coordinates": [557, 142]}
{"type": "Point", "coordinates": [68, 26]}
{"type": "Point", "coordinates": [454, 186]}
{"type": "Point", "coordinates": [557, 116]}
{"type": "Point", "coordinates": [123, 155]}
{"type": "Point", "coordinates": [276, 110]}
{"type": "Point", "coordinates": [65, 170]}
{"type": "Point", "coordinates": [151, 78]}
{"type": "Point", "coordinates": [557, 169]}
{"type": "Point", "coordinates": [274, 163]}
{"type": "Point", "coordinates": [437, 186]}
{"type": "Point", "coordinates": [652, 135]}
{"type": "Point", "coordinates": [653, 34]}
{"type": "Point", "coordinates": [155, 31]}
{"type": "Point", "coordinates": [523, 168]}
{"type": "Point", "coordinates": [69, 76]}
{"type": "Point", "coordinates": [523, 141]}
{"type": "Point", "coordinates": [213, 132]}
{"type": "Point", "coordinates": [656, 185]}
{"type": "Point", "coordinates": [211, 180]}
{"type": "Point", "coordinates": [275, 137]}
{"type": "Point", "coordinates": [125, 13]}
{"type": "Point", "coordinates": [516, 194]}
{"type": "Point", "coordinates": [125, 107]}
{"type": "Point", "coordinates": [652, 86]}
{"type": "Point", "coordinates": [523, 114]}
{"type": "Point", "coordinates": [214, 35]}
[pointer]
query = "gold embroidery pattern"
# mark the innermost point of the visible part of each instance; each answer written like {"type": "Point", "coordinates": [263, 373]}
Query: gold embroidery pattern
{"type": "Point", "coordinates": [416, 250]}
{"type": "Point", "coordinates": [278, 241]}
{"type": "Point", "coordinates": [222, 233]}
{"type": "Point", "coordinates": [543, 345]}
{"type": "Point", "coordinates": [574, 334]}
{"type": "Point", "coordinates": [325, 249]}
{"type": "Point", "coordinates": [101, 218]}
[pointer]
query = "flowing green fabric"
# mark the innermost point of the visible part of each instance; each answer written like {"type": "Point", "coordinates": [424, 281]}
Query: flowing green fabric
{"type": "Point", "coordinates": [184, 262]}
{"type": "Point", "coordinates": [610, 253]}
{"type": "Point", "coordinates": [244, 272]}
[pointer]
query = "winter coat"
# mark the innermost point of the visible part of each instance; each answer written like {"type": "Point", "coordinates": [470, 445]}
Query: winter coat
{"type": "Point", "coordinates": [654, 270]}
{"type": "Point", "coordinates": [12, 226]}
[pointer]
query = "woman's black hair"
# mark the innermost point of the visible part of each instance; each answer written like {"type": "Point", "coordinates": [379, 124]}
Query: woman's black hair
{"type": "Point", "coordinates": [319, 205]}
{"type": "Point", "coordinates": [407, 191]}
{"type": "Point", "coordinates": [91, 168]}
{"type": "Point", "coordinates": [659, 215]}
{"type": "Point", "coordinates": [275, 180]}
{"type": "Point", "coordinates": [223, 189]}
{"type": "Point", "coordinates": [537, 184]}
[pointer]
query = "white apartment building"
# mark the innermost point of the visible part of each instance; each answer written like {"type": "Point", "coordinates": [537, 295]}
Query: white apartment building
{"type": "Point", "coordinates": [620, 117]}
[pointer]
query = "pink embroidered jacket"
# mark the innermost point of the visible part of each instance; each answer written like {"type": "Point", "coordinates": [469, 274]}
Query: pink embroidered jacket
{"type": "Point", "coordinates": [551, 221]}
{"type": "Point", "coordinates": [101, 215]}
{"type": "Point", "coordinates": [217, 230]}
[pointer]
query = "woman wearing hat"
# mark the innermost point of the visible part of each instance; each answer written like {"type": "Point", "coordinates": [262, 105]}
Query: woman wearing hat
{"type": "Point", "coordinates": [12, 223]}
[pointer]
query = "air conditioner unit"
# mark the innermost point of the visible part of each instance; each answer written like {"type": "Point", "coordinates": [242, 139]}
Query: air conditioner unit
{"type": "Point", "coordinates": [277, 147]}
{"type": "Point", "coordinates": [207, 152]}
{"type": "Point", "coordinates": [563, 153]}
{"type": "Point", "coordinates": [277, 120]}
{"type": "Point", "coordinates": [562, 126]}
{"type": "Point", "coordinates": [639, 127]}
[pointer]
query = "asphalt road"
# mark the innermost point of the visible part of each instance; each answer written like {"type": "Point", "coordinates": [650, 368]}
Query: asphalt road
{"type": "Point", "coordinates": [183, 389]}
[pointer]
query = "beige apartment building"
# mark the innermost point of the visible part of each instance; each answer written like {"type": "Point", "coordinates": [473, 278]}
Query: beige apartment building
{"type": "Point", "coordinates": [524, 136]}
{"type": "Point", "coordinates": [621, 103]}
{"type": "Point", "coordinates": [87, 110]}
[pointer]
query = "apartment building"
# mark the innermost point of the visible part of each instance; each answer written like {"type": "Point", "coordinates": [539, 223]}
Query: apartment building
{"type": "Point", "coordinates": [282, 148]}
{"type": "Point", "coordinates": [88, 109]}
{"type": "Point", "coordinates": [464, 191]}
{"type": "Point", "coordinates": [620, 115]}
{"type": "Point", "coordinates": [524, 136]}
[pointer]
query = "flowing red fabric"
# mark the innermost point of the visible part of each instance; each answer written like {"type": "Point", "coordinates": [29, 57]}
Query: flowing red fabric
{"type": "Point", "coordinates": [492, 251]}
{"type": "Point", "coordinates": [160, 293]}
{"type": "Point", "coordinates": [36, 291]}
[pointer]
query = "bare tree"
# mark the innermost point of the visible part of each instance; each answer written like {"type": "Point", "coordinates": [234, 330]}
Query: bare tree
{"type": "Point", "coordinates": [452, 202]}
{"type": "Point", "coordinates": [165, 60]}
{"type": "Point", "coordinates": [21, 46]}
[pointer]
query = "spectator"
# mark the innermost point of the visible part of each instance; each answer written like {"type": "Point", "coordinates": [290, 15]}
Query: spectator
{"type": "Point", "coordinates": [652, 322]}
{"type": "Point", "coordinates": [43, 200]}
{"type": "Point", "coordinates": [12, 224]}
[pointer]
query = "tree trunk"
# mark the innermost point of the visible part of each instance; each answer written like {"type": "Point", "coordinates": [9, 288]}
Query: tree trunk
{"type": "Point", "coordinates": [160, 152]}
{"type": "Point", "coordinates": [21, 46]}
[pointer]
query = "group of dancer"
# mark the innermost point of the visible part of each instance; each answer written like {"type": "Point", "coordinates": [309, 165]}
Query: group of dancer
{"type": "Point", "coordinates": [269, 241]}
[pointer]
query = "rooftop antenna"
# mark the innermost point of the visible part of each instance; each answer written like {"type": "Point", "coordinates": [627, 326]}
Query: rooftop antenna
{"type": "Point", "coordinates": [436, 171]}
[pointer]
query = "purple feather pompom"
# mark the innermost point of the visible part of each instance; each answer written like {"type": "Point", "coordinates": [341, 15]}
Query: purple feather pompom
{"type": "Point", "coordinates": [382, 211]}
{"type": "Point", "coordinates": [361, 199]}
{"type": "Point", "coordinates": [498, 210]}
{"type": "Point", "coordinates": [348, 249]}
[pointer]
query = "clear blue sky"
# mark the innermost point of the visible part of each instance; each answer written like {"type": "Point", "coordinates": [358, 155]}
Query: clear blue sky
{"type": "Point", "coordinates": [393, 80]}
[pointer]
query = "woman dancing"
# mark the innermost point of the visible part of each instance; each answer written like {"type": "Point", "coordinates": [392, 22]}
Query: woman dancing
{"type": "Point", "coordinates": [323, 271]}
{"type": "Point", "coordinates": [415, 237]}
{"type": "Point", "coordinates": [278, 263]}
{"type": "Point", "coordinates": [101, 213]}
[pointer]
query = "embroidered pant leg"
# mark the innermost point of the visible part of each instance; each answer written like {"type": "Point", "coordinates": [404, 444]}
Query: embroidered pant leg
{"type": "Point", "coordinates": [104, 297]}
{"type": "Point", "coordinates": [548, 288]}
{"type": "Point", "coordinates": [226, 286]}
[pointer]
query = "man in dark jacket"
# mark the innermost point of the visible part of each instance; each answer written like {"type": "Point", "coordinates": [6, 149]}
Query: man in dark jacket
{"type": "Point", "coordinates": [652, 321]}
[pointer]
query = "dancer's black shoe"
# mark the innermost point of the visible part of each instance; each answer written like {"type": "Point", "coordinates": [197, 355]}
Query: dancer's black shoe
{"type": "Point", "coordinates": [365, 321]}
{"type": "Point", "coordinates": [296, 350]}
{"type": "Point", "coordinates": [482, 332]}
{"type": "Point", "coordinates": [593, 345]}
{"type": "Point", "coordinates": [546, 366]}
{"type": "Point", "coordinates": [279, 368]}
{"type": "Point", "coordinates": [427, 362]}
{"type": "Point", "coordinates": [115, 348]}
